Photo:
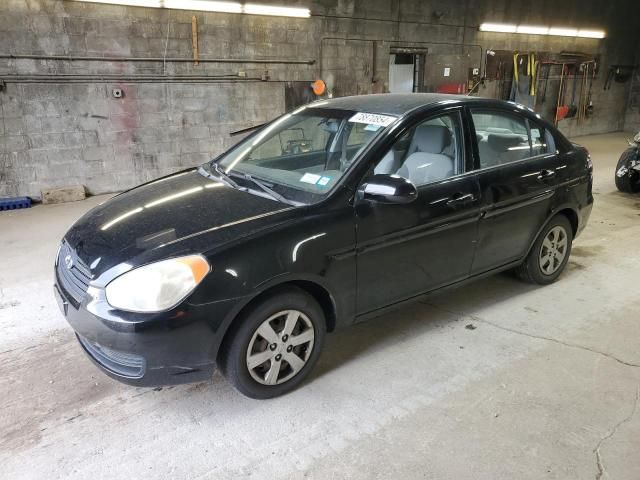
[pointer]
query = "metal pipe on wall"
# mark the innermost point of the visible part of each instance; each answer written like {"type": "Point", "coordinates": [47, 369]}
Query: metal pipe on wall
{"type": "Point", "coordinates": [79, 78]}
{"type": "Point", "coordinates": [154, 59]}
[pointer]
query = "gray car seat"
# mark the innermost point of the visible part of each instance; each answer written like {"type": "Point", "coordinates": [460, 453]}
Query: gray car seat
{"type": "Point", "coordinates": [499, 148]}
{"type": "Point", "coordinates": [427, 161]}
{"type": "Point", "coordinates": [508, 147]}
{"type": "Point", "coordinates": [389, 163]}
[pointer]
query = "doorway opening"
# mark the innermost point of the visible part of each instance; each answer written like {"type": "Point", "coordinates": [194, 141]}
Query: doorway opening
{"type": "Point", "coordinates": [406, 70]}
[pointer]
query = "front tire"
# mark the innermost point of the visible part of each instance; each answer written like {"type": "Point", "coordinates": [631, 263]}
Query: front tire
{"type": "Point", "coordinates": [630, 181]}
{"type": "Point", "coordinates": [274, 345]}
{"type": "Point", "coordinates": [550, 253]}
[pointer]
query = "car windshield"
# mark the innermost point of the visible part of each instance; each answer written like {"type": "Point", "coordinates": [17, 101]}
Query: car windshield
{"type": "Point", "coordinates": [301, 155]}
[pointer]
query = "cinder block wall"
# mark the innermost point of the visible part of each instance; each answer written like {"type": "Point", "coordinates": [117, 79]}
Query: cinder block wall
{"type": "Point", "coordinates": [65, 132]}
{"type": "Point", "coordinates": [632, 118]}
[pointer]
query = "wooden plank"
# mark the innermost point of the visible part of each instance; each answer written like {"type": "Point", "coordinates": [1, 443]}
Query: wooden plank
{"type": "Point", "coordinates": [194, 39]}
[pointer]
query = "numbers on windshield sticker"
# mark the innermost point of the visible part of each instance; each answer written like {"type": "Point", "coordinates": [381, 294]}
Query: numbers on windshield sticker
{"type": "Point", "coordinates": [372, 119]}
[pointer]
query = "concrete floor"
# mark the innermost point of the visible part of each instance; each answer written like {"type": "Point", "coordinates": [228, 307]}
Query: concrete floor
{"type": "Point", "coordinates": [495, 380]}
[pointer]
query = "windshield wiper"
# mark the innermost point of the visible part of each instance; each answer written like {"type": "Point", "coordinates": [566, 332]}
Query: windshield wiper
{"type": "Point", "coordinates": [223, 176]}
{"type": "Point", "coordinates": [272, 193]}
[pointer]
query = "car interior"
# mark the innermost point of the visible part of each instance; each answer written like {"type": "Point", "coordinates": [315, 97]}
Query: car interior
{"type": "Point", "coordinates": [322, 147]}
{"type": "Point", "coordinates": [427, 153]}
{"type": "Point", "coordinates": [501, 139]}
{"type": "Point", "coordinates": [505, 138]}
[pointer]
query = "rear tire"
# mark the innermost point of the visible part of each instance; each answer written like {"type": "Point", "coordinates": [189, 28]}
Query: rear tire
{"type": "Point", "coordinates": [550, 253]}
{"type": "Point", "coordinates": [274, 345]}
{"type": "Point", "coordinates": [629, 183]}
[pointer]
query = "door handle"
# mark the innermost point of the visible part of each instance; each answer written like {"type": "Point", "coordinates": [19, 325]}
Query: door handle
{"type": "Point", "coordinates": [546, 174]}
{"type": "Point", "coordinates": [461, 199]}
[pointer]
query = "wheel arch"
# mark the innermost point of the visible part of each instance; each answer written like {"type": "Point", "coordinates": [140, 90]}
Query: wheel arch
{"type": "Point", "coordinates": [319, 293]}
{"type": "Point", "coordinates": [571, 215]}
{"type": "Point", "coordinates": [568, 211]}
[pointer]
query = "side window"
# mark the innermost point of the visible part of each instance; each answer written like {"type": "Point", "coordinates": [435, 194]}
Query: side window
{"type": "Point", "coordinates": [429, 152]}
{"type": "Point", "coordinates": [541, 140]}
{"type": "Point", "coordinates": [502, 138]}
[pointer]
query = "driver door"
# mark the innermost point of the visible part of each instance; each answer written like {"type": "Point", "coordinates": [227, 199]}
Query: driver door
{"type": "Point", "coordinates": [405, 250]}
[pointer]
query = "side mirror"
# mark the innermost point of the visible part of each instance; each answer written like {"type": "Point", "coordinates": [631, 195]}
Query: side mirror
{"type": "Point", "coordinates": [388, 189]}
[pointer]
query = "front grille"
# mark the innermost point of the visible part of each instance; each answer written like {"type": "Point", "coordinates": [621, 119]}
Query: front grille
{"type": "Point", "coordinates": [74, 280]}
{"type": "Point", "coordinates": [120, 363]}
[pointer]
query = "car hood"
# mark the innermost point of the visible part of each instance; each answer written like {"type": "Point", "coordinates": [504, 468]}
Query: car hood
{"type": "Point", "coordinates": [158, 219]}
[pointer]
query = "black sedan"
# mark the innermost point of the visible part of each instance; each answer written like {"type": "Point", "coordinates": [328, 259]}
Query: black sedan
{"type": "Point", "coordinates": [246, 262]}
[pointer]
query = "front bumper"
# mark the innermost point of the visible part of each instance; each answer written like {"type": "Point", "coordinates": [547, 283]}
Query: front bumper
{"type": "Point", "coordinates": [168, 348]}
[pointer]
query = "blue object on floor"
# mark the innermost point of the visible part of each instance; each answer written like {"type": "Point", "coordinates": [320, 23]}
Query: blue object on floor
{"type": "Point", "coordinates": [15, 202]}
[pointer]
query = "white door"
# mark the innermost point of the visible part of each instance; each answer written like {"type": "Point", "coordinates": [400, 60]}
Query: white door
{"type": "Point", "coordinates": [400, 76]}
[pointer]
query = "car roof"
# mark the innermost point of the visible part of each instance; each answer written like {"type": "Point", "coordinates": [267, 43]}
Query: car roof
{"type": "Point", "coordinates": [395, 103]}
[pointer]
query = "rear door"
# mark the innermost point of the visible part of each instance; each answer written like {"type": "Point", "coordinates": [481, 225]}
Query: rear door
{"type": "Point", "coordinates": [518, 171]}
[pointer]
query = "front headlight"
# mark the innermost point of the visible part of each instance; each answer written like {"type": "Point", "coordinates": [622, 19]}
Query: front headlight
{"type": "Point", "coordinates": [157, 286]}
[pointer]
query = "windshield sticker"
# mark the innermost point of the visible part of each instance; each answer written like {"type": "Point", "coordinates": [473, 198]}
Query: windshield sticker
{"type": "Point", "coordinates": [372, 119]}
{"type": "Point", "coordinates": [311, 178]}
{"type": "Point", "coordinates": [372, 128]}
{"type": "Point", "coordinates": [323, 182]}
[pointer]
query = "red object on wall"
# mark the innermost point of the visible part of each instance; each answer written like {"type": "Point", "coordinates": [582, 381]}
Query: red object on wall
{"type": "Point", "coordinates": [454, 88]}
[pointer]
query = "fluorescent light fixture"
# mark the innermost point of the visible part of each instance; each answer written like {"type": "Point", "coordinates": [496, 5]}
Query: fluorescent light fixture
{"type": "Point", "coordinates": [591, 33]}
{"type": "Point", "coordinates": [498, 27]}
{"type": "Point", "coordinates": [254, 9]}
{"type": "Point", "coordinates": [532, 30]}
{"type": "Point", "coordinates": [538, 30]}
{"type": "Point", "coordinates": [202, 5]}
{"type": "Point", "coordinates": [212, 6]}
{"type": "Point", "coordinates": [563, 32]}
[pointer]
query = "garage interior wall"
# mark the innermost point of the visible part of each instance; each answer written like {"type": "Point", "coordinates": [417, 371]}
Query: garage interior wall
{"type": "Point", "coordinates": [71, 129]}
{"type": "Point", "coordinates": [632, 118]}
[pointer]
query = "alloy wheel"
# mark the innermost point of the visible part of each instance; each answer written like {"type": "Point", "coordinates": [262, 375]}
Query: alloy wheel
{"type": "Point", "coordinates": [280, 347]}
{"type": "Point", "coordinates": [553, 250]}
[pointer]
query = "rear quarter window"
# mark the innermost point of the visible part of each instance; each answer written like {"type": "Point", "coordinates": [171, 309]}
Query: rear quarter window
{"type": "Point", "coordinates": [542, 141]}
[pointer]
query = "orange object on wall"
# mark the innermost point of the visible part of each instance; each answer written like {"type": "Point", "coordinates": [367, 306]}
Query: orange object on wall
{"type": "Point", "coordinates": [319, 87]}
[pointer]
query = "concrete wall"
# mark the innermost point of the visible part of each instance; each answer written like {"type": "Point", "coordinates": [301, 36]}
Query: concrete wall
{"type": "Point", "coordinates": [53, 134]}
{"type": "Point", "coordinates": [632, 118]}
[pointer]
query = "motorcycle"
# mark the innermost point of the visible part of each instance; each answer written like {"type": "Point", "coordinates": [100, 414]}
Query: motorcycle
{"type": "Point", "coordinates": [628, 168]}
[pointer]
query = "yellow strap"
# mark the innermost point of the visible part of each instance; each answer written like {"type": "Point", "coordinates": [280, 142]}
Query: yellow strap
{"type": "Point", "coordinates": [534, 74]}
{"type": "Point", "coordinates": [515, 67]}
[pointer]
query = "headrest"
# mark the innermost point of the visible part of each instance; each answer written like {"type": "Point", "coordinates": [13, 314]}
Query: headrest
{"type": "Point", "coordinates": [330, 126]}
{"type": "Point", "coordinates": [432, 138]}
{"type": "Point", "coordinates": [503, 142]}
